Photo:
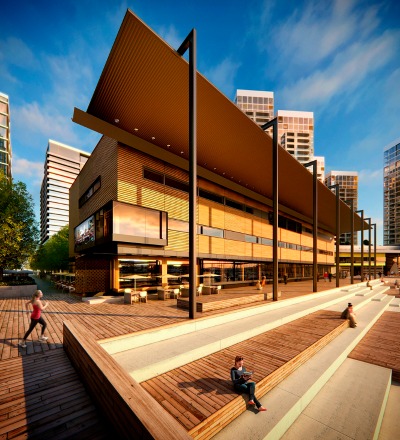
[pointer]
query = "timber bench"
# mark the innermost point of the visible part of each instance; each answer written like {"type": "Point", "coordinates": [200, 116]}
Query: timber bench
{"type": "Point", "coordinates": [200, 395]}
{"type": "Point", "coordinates": [217, 302]}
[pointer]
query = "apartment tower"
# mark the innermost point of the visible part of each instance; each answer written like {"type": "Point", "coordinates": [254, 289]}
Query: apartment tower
{"type": "Point", "coordinates": [62, 164]}
{"type": "Point", "coordinates": [5, 138]}
{"type": "Point", "coordinates": [258, 105]}
{"type": "Point", "coordinates": [391, 193]}
{"type": "Point", "coordinates": [348, 181]}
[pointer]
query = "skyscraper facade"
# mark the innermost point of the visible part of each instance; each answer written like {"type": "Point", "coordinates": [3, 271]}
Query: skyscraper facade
{"type": "Point", "coordinates": [62, 164]}
{"type": "Point", "coordinates": [391, 193]}
{"type": "Point", "coordinates": [5, 137]}
{"type": "Point", "coordinates": [320, 167]}
{"type": "Point", "coordinates": [258, 105]}
{"type": "Point", "coordinates": [348, 181]}
{"type": "Point", "coordinates": [296, 133]}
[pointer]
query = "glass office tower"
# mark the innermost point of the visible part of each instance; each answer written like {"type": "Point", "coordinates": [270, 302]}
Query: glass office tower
{"type": "Point", "coordinates": [5, 138]}
{"type": "Point", "coordinates": [391, 193]}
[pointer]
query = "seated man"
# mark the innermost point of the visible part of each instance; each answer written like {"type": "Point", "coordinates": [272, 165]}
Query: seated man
{"type": "Point", "coordinates": [348, 313]}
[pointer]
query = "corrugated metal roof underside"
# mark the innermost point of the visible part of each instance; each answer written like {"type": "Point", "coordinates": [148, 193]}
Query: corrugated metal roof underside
{"type": "Point", "coordinates": [144, 84]}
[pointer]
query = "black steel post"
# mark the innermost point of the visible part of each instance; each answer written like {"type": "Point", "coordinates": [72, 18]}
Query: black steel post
{"type": "Point", "coordinates": [352, 239]}
{"type": "Point", "coordinates": [374, 225]}
{"type": "Point", "coordinates": [337, 259]}
{"type": "Point", "coordinates": [362, 243]}
{"type": "Point", "coordinates": [275, 180]}
{"type": "Point", "coordinates": [314, 164]}
{"type": "Point", "coordinates": [190, 43]}
{"type": "Point", "coordinates": [369, 246]}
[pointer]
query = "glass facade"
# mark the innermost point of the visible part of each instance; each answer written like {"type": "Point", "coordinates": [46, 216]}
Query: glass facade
{"type": "Point", "coordinates": [5, 138]}
{"type": "Point", "coordinates": [348, 181]}
{"type": "Point", "coordinates": [391, 194]}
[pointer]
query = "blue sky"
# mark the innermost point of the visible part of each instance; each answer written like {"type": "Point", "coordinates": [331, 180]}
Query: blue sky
{"type": "Point", "coordinates": [339, 59]}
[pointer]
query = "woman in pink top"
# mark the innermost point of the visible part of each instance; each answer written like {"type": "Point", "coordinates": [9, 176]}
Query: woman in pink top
{"type": "Point", "coordinates": [38, 305]}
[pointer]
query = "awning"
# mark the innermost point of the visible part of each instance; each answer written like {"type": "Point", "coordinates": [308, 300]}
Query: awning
{"type": "Point", "coordinates": [144, 87]}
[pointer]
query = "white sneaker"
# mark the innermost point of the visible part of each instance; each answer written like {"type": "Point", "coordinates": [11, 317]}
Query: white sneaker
{"type": "Point", "coordinates": [22, 344]}
{"type": "Point", "coordinates": [43, 338]}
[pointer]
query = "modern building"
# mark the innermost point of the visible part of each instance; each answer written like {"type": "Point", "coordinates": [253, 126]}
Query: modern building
{"type": "Point", "coordinates": [348, 181]}
{"type": "Point", "coordinates": [62, 164]}
{"type": "Point", "coordinates": [129, 205]}
{"type": "Point", "coordinates": [256, 104]}
{"type": "Point", "coordinates": [5, 137]}
{"type": "Point", "coordinates": [296, 133]}
{"type": "Point", "coordinates": [320, 167]}
{"type": "Point", "coordinates": [387, 260]}
{"type": "Point", "coordinates": [391, 193]}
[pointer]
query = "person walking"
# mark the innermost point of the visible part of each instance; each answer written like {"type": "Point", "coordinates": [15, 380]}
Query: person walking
{"type": "Point", "coordinates": [38, 306]}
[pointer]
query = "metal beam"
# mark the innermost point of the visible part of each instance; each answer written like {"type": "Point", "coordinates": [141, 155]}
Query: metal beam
{"type": "Point", "coordinates": [190, 43]}
{"type": "Point", "coordinates": [351, 201]}
{"type": "Point", "coordinates": [275, 201]}
{"type": "Point", "coordinates": [362, 242]}
{"type": "Point", "coordinates": [314, 164]}
{"type": "Point", "coordinates": [337, 259]}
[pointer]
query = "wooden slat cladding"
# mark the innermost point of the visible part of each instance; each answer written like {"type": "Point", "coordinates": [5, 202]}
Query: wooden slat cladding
{"type": "Point", "coordinates": [103, 161]}
{"type": "Point", "coordinates": [123, 401]}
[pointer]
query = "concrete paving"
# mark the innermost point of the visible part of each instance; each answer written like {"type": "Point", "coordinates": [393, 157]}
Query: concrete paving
{"type": "Point", "coordinates": [287, 401]}
{"type": "Point", "coordinates": [157, 353]}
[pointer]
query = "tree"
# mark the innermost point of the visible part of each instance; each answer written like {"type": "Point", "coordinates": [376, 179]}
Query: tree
{"type": "Point", "coordinates": [366, 242]}
{"type": "Point", "coordinates": [53, 255]}
{"type": "Point", "coordinates": [18, 229]}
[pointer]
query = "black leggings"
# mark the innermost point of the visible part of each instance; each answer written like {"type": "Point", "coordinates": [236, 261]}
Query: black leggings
{"type": "Point", "coordinates": [33, 324]}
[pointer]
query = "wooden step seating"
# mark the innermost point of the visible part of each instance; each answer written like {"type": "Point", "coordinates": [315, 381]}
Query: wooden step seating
{"type": "Point", "coordinates": [224, 300]}
{"type": "Point", "coordinates": [42, 396]}
{"type": "Point", "coordinates": [200, 395]}
{"type": "Point", "coordinates": [381, 346]}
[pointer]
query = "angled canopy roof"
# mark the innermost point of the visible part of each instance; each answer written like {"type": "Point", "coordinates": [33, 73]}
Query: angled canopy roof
{"type": "Point", "coordinates": [143, 94]}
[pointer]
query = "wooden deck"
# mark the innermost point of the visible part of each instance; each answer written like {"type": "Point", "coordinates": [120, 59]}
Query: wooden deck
{"type": "Point", "coordinates": [200, 395]}
{"type": "Point", "coordinates": [221, 301]}
{"type": "Point", "coordinates": [381, 345]}
{"type": "Point", "coordinates": [103, 321]}
{"type": "Point", "coordinates": [41, 396]}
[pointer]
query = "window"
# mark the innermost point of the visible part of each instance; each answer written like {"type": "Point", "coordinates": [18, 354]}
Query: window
{"type": "Point", "coordinates": [90, 191]}
{"type": "Point", "coordinates": [153, 175]}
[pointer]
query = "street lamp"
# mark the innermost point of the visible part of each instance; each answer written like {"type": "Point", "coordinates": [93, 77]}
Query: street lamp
{"type": "Point", "coordinates": [369, 246]}
{"type": "Point", "coordinates": [190, 43]}
{"type": "Point", "coordinates": [362, 242]}
{"type": "Point", "coordinates": [351, 201]}
{"type": "Point", "coordinates": [314, 164]}
{"type": "Point", "coordinates": [336, 187]}
{"type": "Point", "coordinates": [274, 124]}
{"type": "Point", "coordinates": [374, 225]}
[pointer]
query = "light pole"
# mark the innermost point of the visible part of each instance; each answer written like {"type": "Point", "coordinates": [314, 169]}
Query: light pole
{"type": "Point", "coordinates": [336, 187]}
{"type": "Point", "coordinates": [190, 43]}
{"type": "Point", "coordinates": [275, 180]}
{"type": "Point", "coordinates": [374, 225]}
{"type": "Point", "coordinates": [362, 242]}
{"type": "Point", "coordinates": [369, 246]}
{"type": "Point", "coordinates": [314, 164]}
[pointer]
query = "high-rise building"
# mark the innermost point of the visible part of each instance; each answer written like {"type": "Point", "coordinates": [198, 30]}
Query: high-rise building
{"type": "Point", "coordinates": [5, 137]}
{"type": "Point", "coordinates": [320, 167]}
{"type": "Point", "coordinates": [296, 133]}
{"type": "Point", "coordinates": [258, 105]}
{"type": "Point", "coordinates": [348, 181]}
{"type": "Point", "coordinates": [62, 164]}
{"type": "Point", "coordinates": [391, 193]}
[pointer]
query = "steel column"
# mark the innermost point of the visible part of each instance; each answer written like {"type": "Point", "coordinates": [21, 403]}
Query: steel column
{"type": "Point", "coordinates": [275, 180]}
{"type": "Point", "coordinates": [337, 232]}
{"type": "Point", "coordinates": [362, 243]}
{"type": "Point", "coordinates": [190, 43]}
{"type": "Point", "coordinates": [314, 164]}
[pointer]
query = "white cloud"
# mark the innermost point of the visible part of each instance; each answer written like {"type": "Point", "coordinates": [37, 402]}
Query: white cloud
{"type": "Point", "coordinates": [24, 169]}
{"type": "Point", "coordinates": [170, 35]}
{"type": "Point", "coordinates": [223, 76]}
{"type": "Point", "coordinates": [368, 177]}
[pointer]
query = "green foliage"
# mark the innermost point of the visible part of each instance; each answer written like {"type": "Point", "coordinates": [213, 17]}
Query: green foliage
{"type": "Point", "coordinates": [366, 243]}
{"type": "Point", "coordinates": [53, 255]}
{"type": "Point", "coordinates": [18, 229]}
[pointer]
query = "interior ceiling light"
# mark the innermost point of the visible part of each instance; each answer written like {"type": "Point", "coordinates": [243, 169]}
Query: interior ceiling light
{"type": "Point", "coordinates": [136, 129]}
{"type": "Point", "coordinates": [116, 121]}
{"type": "Point", "coordinates": [214, 168]}
{"type": "Point", "coordinates": [168, 145]}
{"type": "Point", "coordinates": [153, 138]}
{"type": "Point", "coordinates": [182, 152]}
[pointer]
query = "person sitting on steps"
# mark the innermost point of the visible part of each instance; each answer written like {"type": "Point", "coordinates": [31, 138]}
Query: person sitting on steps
{"type": "Point", "coordinates": [242, 383]}
{"type": "Point", "coordinates": [348, 313]}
